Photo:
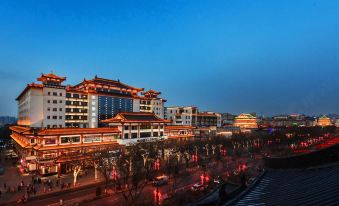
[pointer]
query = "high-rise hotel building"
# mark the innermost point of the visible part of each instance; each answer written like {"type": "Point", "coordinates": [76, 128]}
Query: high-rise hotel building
{"type": "Point", "coordinates": [50, 104]}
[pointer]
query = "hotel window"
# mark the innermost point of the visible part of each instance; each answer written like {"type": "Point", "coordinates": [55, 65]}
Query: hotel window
{"type": "Point", "coordinates": [55, 101]}
{"type": "Point", "coordinates": [134, 127]}
{"type": "Point", "coordinates": [48, 93]}
{"type": "Point", "coordinates": [134, 135]}
{"type": "Point", "coordinates": [70, 139]}
{"type": "Point", "coordinates": [60, 109]}
{"type": "Point", "coordinates": [60, 94]}
{"type": "Point", "coordinates": [68, 95]}
{"type": "Point", "coordinates": [155, 134]}
{"type": "Point", "coordinates": [48, 126]}
{"type": "Point", "coordinates": [55, 94]}
{"type": "Point", "coordinates": [48, 117]}
{"type": "Point", "coordinates": [161, 134]}
{"type": "Point", "coordinates": [126, 136]}
{"type": "Point", "coordinates": [48, 101]}
{"type": "Point", "coordinates": [55, 117]}
{"type": "Point", "coordinates": [60, 117]}
{"type": "Point", "coordinates": [126, 128]}
{"type": "Point", "coordinates": [48, 109]}
{"type": "Point", "coordinates": [32, 153]}
{"type": "Point", "coordinates": [55, 109]}
{"type": "Point", "coordinates": [60, 101]}
{"type": "Point", "coordinates": [32, 141]}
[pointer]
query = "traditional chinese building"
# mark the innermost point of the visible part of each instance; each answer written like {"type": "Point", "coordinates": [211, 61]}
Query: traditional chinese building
{"type": "Point", "coordinates": [324, 121]}
{"type": "Point", "coordinates": [151, 102]}
{"type": "Point", "coordinates": [246, 121]}
{"type": "Point", "coordinates": [138, 127]}
{"type": "Point", "coordinates": [51, 151]}
{"type": "Point", "coordinates": [49, 104]}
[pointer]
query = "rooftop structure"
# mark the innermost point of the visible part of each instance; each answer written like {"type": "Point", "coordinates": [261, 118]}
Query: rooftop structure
{"type": "Point", "coordinates": [317, 186]}
{"type": "Point", "coordinates": [324, 121]}
{"type": "Point", "coordinates": [246, 121]}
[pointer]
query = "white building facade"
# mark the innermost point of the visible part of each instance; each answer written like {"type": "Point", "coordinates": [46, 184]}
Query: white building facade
{"type": "Point", "coordinates": [182, 115]}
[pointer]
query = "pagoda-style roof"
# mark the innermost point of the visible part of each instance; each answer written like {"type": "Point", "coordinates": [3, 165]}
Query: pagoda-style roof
{"type": "Point", "coordinates": [62, 131]}
{"type": "Point", "coordinates": [135, 117]}
{"type": "Point", "coordinates": [324, 117]}
{"type": "Point", "coordinates": [151, 93]}
{"type": "Point", "coordinates": [51, 77]}
{"type": "Point", "coordinates": [245, 116]}
{"type": "Point", "coordinates": [106, 83]}
{"type": "Point", "coordinates": [28, 87]}
{"type": "Point", "coordinates": [178, 127]}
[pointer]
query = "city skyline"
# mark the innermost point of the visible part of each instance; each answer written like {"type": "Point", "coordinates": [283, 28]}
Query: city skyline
{"type": "Point", "coordinates": [231, 57]}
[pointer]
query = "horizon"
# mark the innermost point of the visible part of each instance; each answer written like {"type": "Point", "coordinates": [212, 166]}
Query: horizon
{"type": "Point", "coordinates": [237, 57]}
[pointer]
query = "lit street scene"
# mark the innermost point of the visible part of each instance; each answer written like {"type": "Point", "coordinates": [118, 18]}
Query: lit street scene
{"type": "Point", "coordinates": [169, 103]}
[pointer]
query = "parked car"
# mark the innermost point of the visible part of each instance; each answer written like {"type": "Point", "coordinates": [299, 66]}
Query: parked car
{"type": "Point", "coordinates": [160, 180]}
{"type": "Point", "coordinates": [198, 187]}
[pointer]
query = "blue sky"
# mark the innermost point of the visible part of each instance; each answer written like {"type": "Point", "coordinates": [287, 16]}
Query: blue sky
{"type": "Point", "coordinates": [269, 57]}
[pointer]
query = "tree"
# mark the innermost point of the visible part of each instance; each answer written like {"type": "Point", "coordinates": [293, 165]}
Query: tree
{"type": "Point", "coordinates": [76, 171]}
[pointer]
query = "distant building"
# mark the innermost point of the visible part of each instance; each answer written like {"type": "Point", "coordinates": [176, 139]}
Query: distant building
{"type": "Point", "coordinates": [246, 121]}
{"type": "Point", "coordinates": [290, 121]}
{"type": "Point", "coordinates": [324, 121]}
{"type": "Point", "coordinates": [207, 119]}
{"type": "Point", "coordinates": [227, 119]}
{"type": "Point", "coordinates": [182, 115]}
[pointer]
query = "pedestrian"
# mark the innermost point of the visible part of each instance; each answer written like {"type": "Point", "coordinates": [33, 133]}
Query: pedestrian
{"type": "Point", "coordinates": [5, 185]}
{"type": "Point", "coordinates": [60, 202]}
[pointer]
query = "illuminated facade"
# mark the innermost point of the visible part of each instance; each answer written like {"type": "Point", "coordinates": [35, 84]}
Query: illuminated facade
{"type": "Point", "coordinates": [324, 121]}
{"type": "Point", "coordinates": [43, 104]}
{"type": "Point", "coordinates": [138, 127]}
{"type": "Point", "coordinates": [50, 104]}
{"type": "Point", "coordinates": [246, 121]}
{"type": "Point", "coordinates": [51, 151]}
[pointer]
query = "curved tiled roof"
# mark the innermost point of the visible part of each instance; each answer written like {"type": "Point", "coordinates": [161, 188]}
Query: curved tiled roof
{"type": "Point", "coordinates": [133, 117]}
{"type": "Point", "coordinates": [315, 186]}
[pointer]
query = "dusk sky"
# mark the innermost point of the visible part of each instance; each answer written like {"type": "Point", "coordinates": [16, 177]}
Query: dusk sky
{"type": "Point", "coordinates": [269, 57]}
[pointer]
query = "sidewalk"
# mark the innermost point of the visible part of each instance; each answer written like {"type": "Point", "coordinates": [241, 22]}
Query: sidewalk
{"type": "Point", "coordinates": [12, 178]}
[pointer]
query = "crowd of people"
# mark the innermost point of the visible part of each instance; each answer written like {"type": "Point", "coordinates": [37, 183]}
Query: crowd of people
{"type": "Point", "coordinates": [33, 187]}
